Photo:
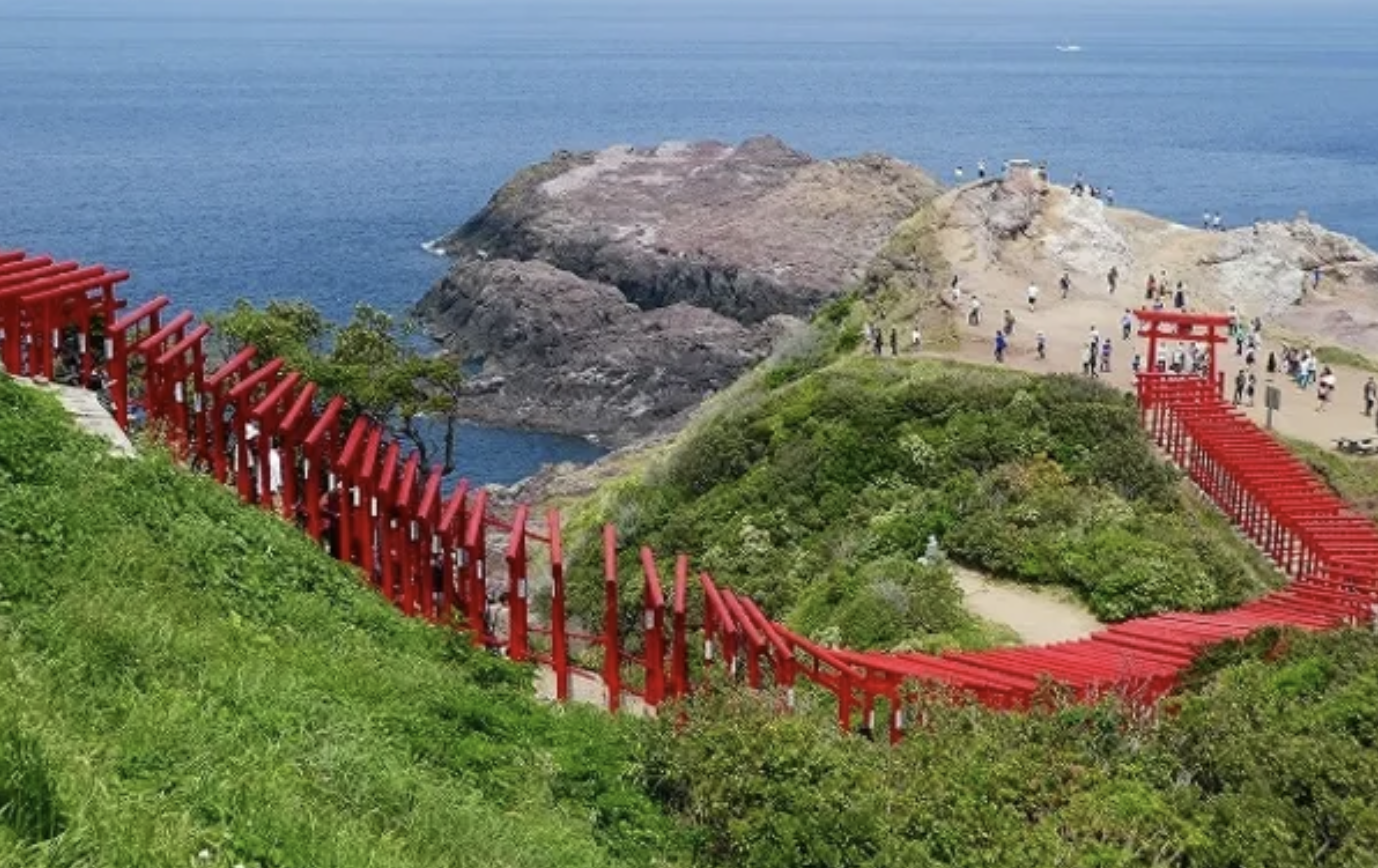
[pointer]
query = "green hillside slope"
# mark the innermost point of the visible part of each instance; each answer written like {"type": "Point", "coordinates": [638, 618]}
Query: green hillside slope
{"type": "Point", "coordinates": [184, 681]}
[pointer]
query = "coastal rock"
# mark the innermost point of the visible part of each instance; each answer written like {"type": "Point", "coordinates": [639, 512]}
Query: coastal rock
{"type": "Point", "coordinates": [747, 231]}
{"type": "Point", "coordinates": [610, 292]}
{"type": "Point", "coordinates": [573, 355]}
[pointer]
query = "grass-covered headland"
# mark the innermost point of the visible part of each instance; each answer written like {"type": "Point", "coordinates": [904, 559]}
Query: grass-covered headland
{"type": "Point", "coordinates": [817, 493]}
{"type": "Point", "coordinates": [185, 681]}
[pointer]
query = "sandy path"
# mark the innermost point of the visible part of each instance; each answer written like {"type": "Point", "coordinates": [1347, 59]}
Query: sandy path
{"type": "Point", "coordinates": [1039, 615]}
{"type": "Point", "coordinates": [1068, 323]}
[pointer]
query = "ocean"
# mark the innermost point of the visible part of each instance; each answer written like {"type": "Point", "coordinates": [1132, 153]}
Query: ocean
{"type": "Point", "coordinates": [307, 148]}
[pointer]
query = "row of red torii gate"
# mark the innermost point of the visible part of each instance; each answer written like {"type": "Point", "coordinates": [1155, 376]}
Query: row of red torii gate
{"type": "Point", "coordinates": [426, 545]}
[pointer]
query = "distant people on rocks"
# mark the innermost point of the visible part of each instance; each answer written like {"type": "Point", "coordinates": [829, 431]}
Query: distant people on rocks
{"type": "Point", "coordinates": [1001, 344]}
{"type": "Point", "coordinates": [1151, 288]}
{"type": "Point", "coordinates": [1110, 196]}
{"type": "Point", "coordinates": [1179, 298]}
{"type": "Point", "coordinates": [981, 169]}
{"type": "Point", "coordinates": [1113, 278]}
{"type": "Point", "coordinates": [958, 175]}
{"type": "Point", "coordinates": [1249, 387]}
{"type": "Point", "coordinates": [878, 342]}
{"type": "Point", "coordinates": [1316, 277]}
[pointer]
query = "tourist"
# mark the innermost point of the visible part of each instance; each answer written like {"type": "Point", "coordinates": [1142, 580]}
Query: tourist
{"type": "Point", "coordinates": [1000, 344]}
{"type": "Point", "coordinates": [1032, 295]}
{"type": "Point", "coordinates": [1065, 283]}
{"type": "Point", "coordinates": [894, 342]}
{"type": "Point", "coordinates": [1218, 223]}
{"type": "Point", "coordinates": [1249, 388]}
{"type": "Point", "coordinates": [878, 342]}
{"type": "Point", "coordinates": [1370, 396]}
{"type": "Point", "coordinates": [1316, 277]}
{"type": "Point", "coordinates": [1136, 363]}
{"type": "Point", "coordinates": [1113, 278]}
{"type": "Point", "coordinates": [1179, 298]}
{"type": "Point", "coordinates": [1151, 292]}
{"type": "Point", "coordinates": [1126, 324]}
{"type": "Point", "coordinates": [974, 314]}
{"type": "Point", "coordinates": [497, 619]}
{"type": "Point", "coordinates": [917, 341]}
{"type": "Point", "coordinates": [1110, 196]}
{"type": "Point", "coordinates": [1105, 348]}
{"type": "Point", "coordinates": [1088, 361]}
{"type": "Point", "coordinates": [1206, 221]}
{"type": "Point", "coordinates": [958, 174]}
{"type": "Point", "coordinates": [1325, 388]}
{"type": "Point", "coordinates": [1041, 343]}
{"type": "Point", "coordinates": [1240, 380]}
{"type": "Point", "coordinates": [1272, 366]}
{"type": "Point", "coordinates": [1009, 322]}
{"type": "Point", "coordinates": [981, 169]}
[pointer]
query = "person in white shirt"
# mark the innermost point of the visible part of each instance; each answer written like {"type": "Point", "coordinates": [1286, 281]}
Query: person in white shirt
{"type": "Point", "coordinates": [1032, 295]}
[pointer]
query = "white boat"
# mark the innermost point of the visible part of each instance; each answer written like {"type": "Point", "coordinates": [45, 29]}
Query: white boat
{"type": "Point", "coordinates": [1068, 49]}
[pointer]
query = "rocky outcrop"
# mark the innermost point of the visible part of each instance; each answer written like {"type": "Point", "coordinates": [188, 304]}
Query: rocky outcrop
{"type": "Point", "coordinates": [747, 231]}
{"type": "Point", "coordinates": [575, 356]}
{"type": "Point", "coordinates": [609, 292]}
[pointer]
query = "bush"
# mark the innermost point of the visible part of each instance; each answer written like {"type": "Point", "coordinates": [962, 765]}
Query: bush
{"type": "Point", "coordinates": [1044, 480]}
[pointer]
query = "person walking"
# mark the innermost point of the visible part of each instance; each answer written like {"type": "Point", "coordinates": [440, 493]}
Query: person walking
{"type": "Point", "coordinates": [1370, 396]}
{"type": "Point", "coordinates": [1325, 389]}
{"type": "Point", "coordinates": [1113, 278]}
{"type": "Point", "coordinates": [894, 341]}
{"type": "Point", "coordinates": [1032, 295]}
{"type": "Point", "coordinates": [974, 315]}
{"type": "Point", "coordinates": [1240, 381]}
{"type": "Point", "coordinates": [1009, 322]}
{"type": "Point", "coordinates": [916, 343]}
{"type": "Point", "coordinates": [1001, 343]}
{"type": "Point", "coordinates": [1065, 283]}
{"type": "Point", "coordinates": [1126, 324]}
{"type": "Point", "coordinates": [1041, 343]}
{"type": "Point", "coordinates": [1105, 349]}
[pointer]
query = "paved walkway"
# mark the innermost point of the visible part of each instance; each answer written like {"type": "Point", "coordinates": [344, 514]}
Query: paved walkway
{"type": "Point", "coordinates": [88, 414]}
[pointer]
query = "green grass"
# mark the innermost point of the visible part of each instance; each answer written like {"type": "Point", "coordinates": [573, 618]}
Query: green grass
{"type": "Point", "coordinates": [1346, 358]}
{"type": "Point", "coordinates": [818, 494]}
{"type": "Point", "coordinates": [1353, 477]}
{"type": "Point", "coordinates": [180, 674]}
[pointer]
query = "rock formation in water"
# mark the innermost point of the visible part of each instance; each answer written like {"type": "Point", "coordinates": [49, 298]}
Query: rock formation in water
{"type": "Point", "coordinates": [609, 292]}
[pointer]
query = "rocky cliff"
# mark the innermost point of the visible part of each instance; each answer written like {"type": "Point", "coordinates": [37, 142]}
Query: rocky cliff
{"type": "Point", "coordinates": [606, 293]}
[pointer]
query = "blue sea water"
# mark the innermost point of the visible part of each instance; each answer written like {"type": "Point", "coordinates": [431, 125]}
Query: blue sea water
{"type": "Point", "coordinates": [306, 148]}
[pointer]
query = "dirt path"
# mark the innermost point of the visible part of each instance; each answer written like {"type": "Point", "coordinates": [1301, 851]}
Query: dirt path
{"type": "Point", "coordinates": [1068, 323]}
{"type": "Point", "coordinates": [1039, 616]}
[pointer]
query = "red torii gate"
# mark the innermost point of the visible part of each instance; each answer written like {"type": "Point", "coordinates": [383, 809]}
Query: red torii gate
{"type": "Point", "coordinates": [1183, 326]}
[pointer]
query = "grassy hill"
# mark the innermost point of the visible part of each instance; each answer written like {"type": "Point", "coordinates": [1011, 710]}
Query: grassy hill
{"type": "Point", "coordinates": [181, 675]}
{"type": "Point", "coordinates": [185, 682]}
{"type": "Point", "coordinates": [816, 490]}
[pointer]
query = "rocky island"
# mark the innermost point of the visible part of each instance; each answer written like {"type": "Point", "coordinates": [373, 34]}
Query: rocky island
{"type": "Point", "coordinates": [607, 293]}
